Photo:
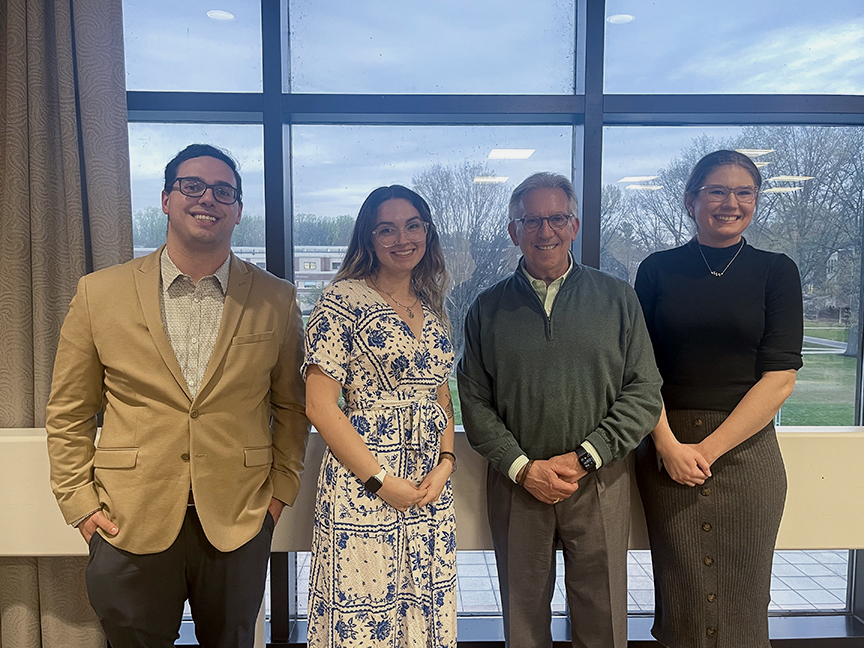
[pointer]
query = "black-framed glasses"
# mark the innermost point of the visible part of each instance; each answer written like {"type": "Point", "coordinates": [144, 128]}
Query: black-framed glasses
{"type": "Point", "coordinates": [534, 223]}
{"type": "Point", "coordinates": [196, 187]}
{"type": "Point", "coordinates": [388, 235]}
{"type": "Point", "coordinates": [718, 193]}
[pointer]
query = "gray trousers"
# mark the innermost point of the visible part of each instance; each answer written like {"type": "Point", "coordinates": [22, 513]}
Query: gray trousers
{"type": "Point", "coordinates": [593, 528]}
{"type": "Point", "coordinates": [139, 598]}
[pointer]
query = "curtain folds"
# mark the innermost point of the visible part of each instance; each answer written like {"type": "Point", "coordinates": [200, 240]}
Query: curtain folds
{"type": "Point", "coordinates": [65, 210]}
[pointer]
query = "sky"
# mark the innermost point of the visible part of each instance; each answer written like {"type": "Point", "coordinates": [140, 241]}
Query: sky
{"type": "Point", "coordinates": [479, 46]}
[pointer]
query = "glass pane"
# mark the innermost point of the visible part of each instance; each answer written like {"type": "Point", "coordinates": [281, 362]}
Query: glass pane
{"type": "Point", "coordinates": [336, 167]}
{"type": "Point", "coordinates": [811, 208]}
{"type": "Point", "coordinates": [191, 47]}
{"type": "Point", "coordinates": [776, 46]}
{"type": "Point", "coordinates": [801, 581]}
{"type": "Point", "coordinates": [382, 46]}
{"type": "Point", "coordinates": [151, 147]}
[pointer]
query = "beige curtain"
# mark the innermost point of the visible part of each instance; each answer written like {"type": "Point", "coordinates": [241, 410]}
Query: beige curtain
{"type": "Point", "coordinates": [64, 210]}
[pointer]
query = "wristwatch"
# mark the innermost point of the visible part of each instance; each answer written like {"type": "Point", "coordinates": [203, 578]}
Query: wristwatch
{"type": "Point", "coordinates": [585, 459]}
{"type": "Point", "coordinates": [375, 482]}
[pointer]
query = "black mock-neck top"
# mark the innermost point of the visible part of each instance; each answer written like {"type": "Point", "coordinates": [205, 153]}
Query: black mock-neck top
{"type": "Point", "coordinates": [714, 336]}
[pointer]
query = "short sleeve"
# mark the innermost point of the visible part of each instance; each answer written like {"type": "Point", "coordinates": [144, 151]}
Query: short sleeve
{"type": "Point", "coordinates": [329, 334]}
{"type": "Point", "coordinates": [780, 348]}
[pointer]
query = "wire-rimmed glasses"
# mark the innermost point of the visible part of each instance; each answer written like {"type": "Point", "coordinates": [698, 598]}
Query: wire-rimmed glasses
{"type": "Point", "coordinates": [534, 223]}
{"type": "Point", "coordinates": [388, 235]}
{"type": "Point", "coordinates": [717, 193]}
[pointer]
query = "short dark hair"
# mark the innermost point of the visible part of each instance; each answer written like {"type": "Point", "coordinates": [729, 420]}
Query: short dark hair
{"type": "Point", "coordinates": [196, 151]}
{"type": "Point", "coordinates": [715, 160]}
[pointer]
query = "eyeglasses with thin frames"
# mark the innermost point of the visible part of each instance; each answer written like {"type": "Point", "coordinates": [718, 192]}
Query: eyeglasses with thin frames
{"type": "Point", "coordinates": [196, 187]}
{"type": "Point", "coordinates": [388, 235]}
{"type": "Point", "coordinates": [718, 193]}
{"type": "Point", "coordinates": [534, 223]}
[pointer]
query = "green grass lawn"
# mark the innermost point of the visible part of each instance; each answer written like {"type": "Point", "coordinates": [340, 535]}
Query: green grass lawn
{"type": "Point", "coordinates": [824, 392]}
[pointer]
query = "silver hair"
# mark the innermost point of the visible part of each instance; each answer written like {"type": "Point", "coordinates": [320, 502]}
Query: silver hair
{"type": "Point", "coordinates": [542, 180]}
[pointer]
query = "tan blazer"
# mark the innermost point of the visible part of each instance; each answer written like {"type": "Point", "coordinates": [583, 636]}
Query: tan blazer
{"type": "Point", "coordinates": [239, 441]}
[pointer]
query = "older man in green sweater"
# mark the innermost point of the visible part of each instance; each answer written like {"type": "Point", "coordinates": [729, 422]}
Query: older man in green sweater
{"type": "Point", "coordinates": [558, 384]}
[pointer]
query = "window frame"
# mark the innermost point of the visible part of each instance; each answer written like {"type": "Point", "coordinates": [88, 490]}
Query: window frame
{"type": "Point", "coordinates": [588, 109]}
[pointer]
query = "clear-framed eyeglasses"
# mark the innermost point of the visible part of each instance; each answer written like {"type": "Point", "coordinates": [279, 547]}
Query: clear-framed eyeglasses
{"type": "Point", "coordinates": [196, 187]}
{"type": "Point", "coordinates": [716, 193]}
{"type": "Point", "coordinates": [534, 223]}
{"type": "Point", "coordinates": [388, 235]}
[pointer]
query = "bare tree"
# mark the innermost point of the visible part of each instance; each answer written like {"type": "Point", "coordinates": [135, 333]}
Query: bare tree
{"type": "Point", "coordinates": [471, 219]}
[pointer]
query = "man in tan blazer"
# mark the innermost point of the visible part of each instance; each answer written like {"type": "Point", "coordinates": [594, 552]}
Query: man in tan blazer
{"type": "Point", "coordinates": [192, 355]}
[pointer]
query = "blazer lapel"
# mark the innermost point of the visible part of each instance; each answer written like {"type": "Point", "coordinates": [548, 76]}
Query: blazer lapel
{"type": "Point", "coordinates": [239, 283]}
{"type": "Point", "coordinates": [148, 284]}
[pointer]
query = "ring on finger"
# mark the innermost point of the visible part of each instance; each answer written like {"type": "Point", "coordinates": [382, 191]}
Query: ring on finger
{"type": "Point", "coordinates": [557, 499]}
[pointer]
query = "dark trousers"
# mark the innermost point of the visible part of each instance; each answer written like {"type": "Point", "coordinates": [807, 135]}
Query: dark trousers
{"type": "Point", "coordinates": [139, 598]}
{"type": "Point", "coordinates": [592, 526]}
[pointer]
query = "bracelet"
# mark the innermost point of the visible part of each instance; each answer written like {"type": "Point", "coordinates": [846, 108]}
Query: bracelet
{"type": "Point", "coordinates": [521, 480]}
{"type": "Point", "coordinates": [444, 454]}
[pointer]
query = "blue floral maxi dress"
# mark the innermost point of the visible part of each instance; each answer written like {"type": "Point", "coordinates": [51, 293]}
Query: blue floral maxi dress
{"type": "Point", "coordinates": [380, 577]}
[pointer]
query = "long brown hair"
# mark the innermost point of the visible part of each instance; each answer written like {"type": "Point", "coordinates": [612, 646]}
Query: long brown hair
{"type": "Point", "coordinates": [429, 278]}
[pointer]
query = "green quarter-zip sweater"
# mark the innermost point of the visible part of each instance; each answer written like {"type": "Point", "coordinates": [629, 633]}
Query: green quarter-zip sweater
{"type": "Point", "coordinates": [541, 385]}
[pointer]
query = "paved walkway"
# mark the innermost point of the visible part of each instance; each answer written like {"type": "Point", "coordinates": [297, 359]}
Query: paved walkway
{"type": "Point", "coordinates": [801, 581]}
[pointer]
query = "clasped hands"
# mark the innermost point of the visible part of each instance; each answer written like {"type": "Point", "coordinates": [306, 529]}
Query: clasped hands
{"type": "Point", "coordinates": [401, 494]}
{"type": "Point", "coordinates": [555, 479]}
{"type": "Point", "coordinates": [686, 463]}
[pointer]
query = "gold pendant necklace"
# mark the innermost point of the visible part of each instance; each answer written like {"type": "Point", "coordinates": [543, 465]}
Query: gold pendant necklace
{"type": "Point", "coordinates": [710, 269]}
{"type": "Point", "coordinates": [390, 295]}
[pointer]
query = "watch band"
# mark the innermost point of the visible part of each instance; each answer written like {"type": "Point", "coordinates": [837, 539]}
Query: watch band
{"type": "Point", "coordinates": [585, 459]}
{"type": "Point", "coordinates": [375, 482]}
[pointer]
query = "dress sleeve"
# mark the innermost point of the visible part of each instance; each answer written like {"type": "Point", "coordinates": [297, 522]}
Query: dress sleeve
{"type": "Point", "coordinates": [329, 334]}
{"type": "Point", "coordinates": [780, 348]}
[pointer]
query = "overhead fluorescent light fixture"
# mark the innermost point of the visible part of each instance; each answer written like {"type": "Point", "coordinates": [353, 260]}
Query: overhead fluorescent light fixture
{"type": "Point", "coordinates": [788, 178]}
{"type": "Point", "coordinates": [490, 179]}
{"type": "Point", "coordinates": [620, 19]}
{"type": "Point", "coordinates": [782, 189]}
{"type": "Point", "coordinates": [759, 165]}
{"type": "Point", "coordinates": [218, 14]}
{"type": "Point", "coordinates": [510, 154]}
{"type": "Point", "coordinates": [644, 187]}
{"type": "Point", "coordinates": [755, 152]}
{"type": "Point", "coordinates": [638, 178]}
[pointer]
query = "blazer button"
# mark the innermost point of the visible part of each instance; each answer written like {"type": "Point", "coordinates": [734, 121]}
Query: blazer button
{"type": "Point", "coordinates": [709, 560]}
{"type": "Point", "coordinates": [712, 597]}
{"type": "Point", "coordinates": [706, 526]}
{"type": "Point", "coordinates": [185, 456]}
{"type": "Point", "coordinates": [194, 414]}
{"type": "Point", "coordinates": [698, 422]}
{"type": "Point", "coordinates": [706, 491]}
{"type": "Point", "coordinates": [710, 631]}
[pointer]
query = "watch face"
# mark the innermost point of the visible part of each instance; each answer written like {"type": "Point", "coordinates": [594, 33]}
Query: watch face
{"type": "Point", "coordinates": [373, 484]}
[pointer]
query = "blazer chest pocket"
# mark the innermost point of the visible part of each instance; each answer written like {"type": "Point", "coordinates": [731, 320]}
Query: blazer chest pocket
{"type": "Point", "coordinates": [252, 338]}
{"type": "Point", "coordinates": [258, 456]}
{"type": "Point", "coordinates": [119, 458]}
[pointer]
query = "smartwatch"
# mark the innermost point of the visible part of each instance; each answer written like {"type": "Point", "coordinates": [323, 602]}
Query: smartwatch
{"type": "Point", "coordinates": [585, 459]}
{"type": "Point", "coordinates": [375, 482]}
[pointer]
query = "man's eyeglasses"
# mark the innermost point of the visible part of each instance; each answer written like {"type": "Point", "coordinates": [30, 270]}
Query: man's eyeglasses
{"type": "Point", "coordinates": [196, 187]}
{"type": "Point", "coordinates": [719, 193]}
{"type": "Point", "coordinates": [388, 235]}
{"type": "Point", "coordinates": [534, 223]}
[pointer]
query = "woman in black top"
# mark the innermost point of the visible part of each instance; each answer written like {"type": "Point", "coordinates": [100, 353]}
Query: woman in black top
{"type": "Point", "coordinates": [726, 323]}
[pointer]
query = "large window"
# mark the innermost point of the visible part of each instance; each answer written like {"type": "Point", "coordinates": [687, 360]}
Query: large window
{"type": "Point", "coordinates": [322, 101]}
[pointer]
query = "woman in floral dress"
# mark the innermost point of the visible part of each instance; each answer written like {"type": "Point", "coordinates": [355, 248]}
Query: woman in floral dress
{"type": "Point", "coordinates": [384, 547]}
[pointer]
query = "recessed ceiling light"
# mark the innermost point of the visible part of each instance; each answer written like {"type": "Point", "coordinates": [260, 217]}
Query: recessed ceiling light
{"type": "Point", "coordinates": [491, 179]}
{"type": "Point", "coordinates": [755, 152]}
{"type": "Point", "coordinates": [620, 19]}
{"type": "Point", "coordinates": [510, 154]}
{"type": "Point", "coordinates": [644, 187]}
{"type": "Point", "coordinates": [218, 14]}
{"type": "Point", "coordinates": [782, 189]}
{"type": "Point", "coordinates": [788, 178]}
{"type": "Point", "coordinates": [638, 178]}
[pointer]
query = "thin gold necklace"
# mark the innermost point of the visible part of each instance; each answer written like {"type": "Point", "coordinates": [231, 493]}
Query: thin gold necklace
{"type": "Point", "coordinates": [710, 269]}
{"type": "Point", "coordinates": [395, 301]}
